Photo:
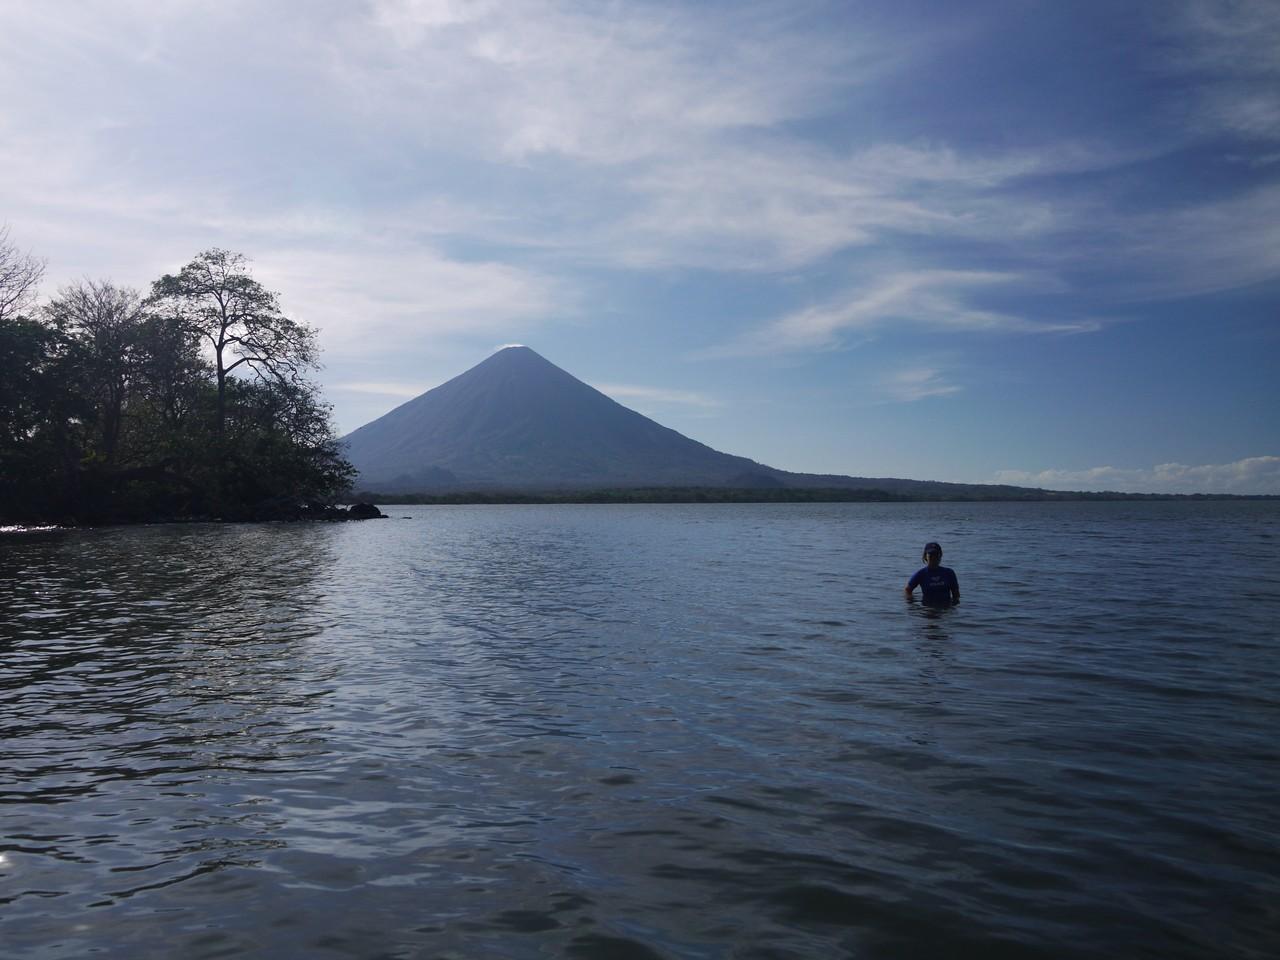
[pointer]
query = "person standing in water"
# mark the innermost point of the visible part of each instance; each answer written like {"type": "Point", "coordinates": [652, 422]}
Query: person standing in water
{"type": "Point", "coordinates": [938, 584]}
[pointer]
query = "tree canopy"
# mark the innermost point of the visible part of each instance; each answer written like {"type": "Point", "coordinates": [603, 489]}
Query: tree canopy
{"type": "Point", "coordinates": [215, 298]}
{"type": "Point", "coordinates": [192, 402]}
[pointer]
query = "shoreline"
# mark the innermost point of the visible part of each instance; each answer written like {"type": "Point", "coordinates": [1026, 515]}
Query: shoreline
{"type": "Point", "coordinates": [771, 495]}
{"type": "Point", "coordinates": [655, 495]}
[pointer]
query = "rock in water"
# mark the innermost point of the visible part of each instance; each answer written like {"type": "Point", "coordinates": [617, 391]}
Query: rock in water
{"type": "Point", "coordinates": [364, 511]}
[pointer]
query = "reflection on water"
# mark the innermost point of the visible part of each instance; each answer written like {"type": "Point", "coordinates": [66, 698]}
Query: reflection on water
{"type": "Point", "coordinates": [643, 731]}
{"type": "Point", "coordinates": [934, 623]}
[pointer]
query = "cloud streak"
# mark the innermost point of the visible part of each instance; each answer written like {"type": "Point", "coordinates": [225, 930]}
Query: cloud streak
{"type": "Point", "coordinates": [662, 395]}
{"type": "Point", "coordinates": [930, 299]}
{"type": "Point", "coordinates": [371, 296]}
{"type": "Point", "coordinates": [1234, 50]}
{"type": "Point", "coordinates": [679, 130]}
{"type": "Point", "coordinates": [381, 389]}
{"type": "Point", "coordinates": [606, 86]}
{"type": "Point", "coordinates": [917, 383]}
{"type": "Point", "coordinates": [1249, 476]}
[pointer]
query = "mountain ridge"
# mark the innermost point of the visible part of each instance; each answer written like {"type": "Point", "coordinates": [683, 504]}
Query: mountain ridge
{"type": "Point", "coordinates": [517, 422]}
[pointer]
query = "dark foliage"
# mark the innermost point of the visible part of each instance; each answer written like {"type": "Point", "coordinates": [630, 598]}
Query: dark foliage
{"type": "Point", "coordinates": [114, 408]}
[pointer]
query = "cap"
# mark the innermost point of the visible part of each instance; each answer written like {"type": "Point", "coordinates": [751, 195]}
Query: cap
{"type": "Point", "coordinates": [932, 547]}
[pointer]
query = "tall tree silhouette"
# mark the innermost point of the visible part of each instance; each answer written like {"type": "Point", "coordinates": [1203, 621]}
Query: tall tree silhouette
{"type": "Point", "coordinates": [216, 297]}
{"type": "Point", "coordinates": [105, 323]}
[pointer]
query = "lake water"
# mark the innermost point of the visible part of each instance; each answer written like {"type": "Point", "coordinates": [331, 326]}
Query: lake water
{"type": "Point", "coordinates": [703, 731]}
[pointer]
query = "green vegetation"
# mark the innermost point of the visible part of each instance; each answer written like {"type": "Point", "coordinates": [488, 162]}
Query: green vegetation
{"type": "Point", "coordinates": [190, 402]}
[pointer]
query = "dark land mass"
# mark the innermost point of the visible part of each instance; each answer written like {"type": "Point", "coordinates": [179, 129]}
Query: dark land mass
{"type": "Point", "coordinates": [191, 404]}
{"type": "Point", "coordinates": [516, 428]}
{"type": "Point", "coordinates": [780, 495]}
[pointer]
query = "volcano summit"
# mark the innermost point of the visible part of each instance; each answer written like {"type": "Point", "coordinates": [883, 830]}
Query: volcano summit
{"type": "Point", "coordinates": [517, 421]}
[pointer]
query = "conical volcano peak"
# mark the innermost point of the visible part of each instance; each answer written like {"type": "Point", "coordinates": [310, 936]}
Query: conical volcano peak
{"type": "Point", "coordinates": [517, 420]}
{"type": "Point", "coordinates": [513, 356]}
{"type": "Point", "coordinates": [515, 350]}
{"type": "Point", "coordinates": [511, 366]}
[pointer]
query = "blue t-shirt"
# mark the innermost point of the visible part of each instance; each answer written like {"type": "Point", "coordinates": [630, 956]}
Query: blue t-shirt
{"type": "Point", "coordinates": [935, 584]}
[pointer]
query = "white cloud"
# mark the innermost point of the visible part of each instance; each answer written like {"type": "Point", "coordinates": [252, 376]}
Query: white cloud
{"type": "Point", "coordinates": [634, 135]}
{"type": "Point", "coordinates": [918, 383]}
{"type": "Point", "coordinates": [605, 84]}
{"type": "Point", "coordinates": [936, 299]}
{"type": "Point", "coordinates": [375, 298]}
{"type": "Point", "coordinates": [381, 388]}
{"type": "Point", "coordinates": [1232, 47]}
{"type": "Point", "coordinates": [662, 395]}
{"type": "Point", "coordinates": [777, 205]}
{"type": "Point", "coordinates": [673, 128]}
{"type": "Point", "coordinates": [1192, 248]}
{"type": "Point", "coordinates": [1252, 475]}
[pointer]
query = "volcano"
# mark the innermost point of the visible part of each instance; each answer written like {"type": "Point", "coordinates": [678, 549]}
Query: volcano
{"type": "Point", "coordinates": [517, 421]}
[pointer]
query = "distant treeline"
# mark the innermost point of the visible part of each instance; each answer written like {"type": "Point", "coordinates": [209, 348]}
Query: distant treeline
{"type": "Point", "coordinates": [191, 401]}
{"type": "Point", "coordinates": [635, 495]}
{"type": "Point", "coordinates": [758, 495]}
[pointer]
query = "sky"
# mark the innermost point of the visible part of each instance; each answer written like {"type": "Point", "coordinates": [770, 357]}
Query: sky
{"type": "Point", "coordinates": [1002, 241]}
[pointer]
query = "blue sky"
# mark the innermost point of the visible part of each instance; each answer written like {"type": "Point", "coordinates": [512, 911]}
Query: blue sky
{"type": "Point", "coordinates": [994, 241]}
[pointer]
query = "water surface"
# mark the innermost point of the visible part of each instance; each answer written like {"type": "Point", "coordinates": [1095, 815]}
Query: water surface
{"type": "Point", "coordinates": [645, 731]}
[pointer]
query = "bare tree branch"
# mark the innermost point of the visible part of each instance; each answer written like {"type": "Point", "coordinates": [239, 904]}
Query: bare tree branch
{"type": "Point", "coordinates": [106, 322]}
{"type": "Point", "coordinates": [218, 298]}
{"type": "Point", "coordinates": [20, 275]}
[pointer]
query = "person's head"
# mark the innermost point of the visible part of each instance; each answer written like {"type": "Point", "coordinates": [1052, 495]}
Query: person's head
{"type": "Point", "coordinates": [932, 553]}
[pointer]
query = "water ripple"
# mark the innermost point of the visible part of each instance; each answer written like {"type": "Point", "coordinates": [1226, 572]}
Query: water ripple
{"type": "Point", "coordinates": [622, 731]}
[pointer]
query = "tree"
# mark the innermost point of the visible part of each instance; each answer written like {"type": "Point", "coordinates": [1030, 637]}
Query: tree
{"type": "Point", "coordinates": [105, 324]}
{"type": "Point", "coordinates": [170, 371]}
{"type": "Point", "coordinates": [191, 403]}
{"type": "Point", "coordinates": [216, 298]}
{"type": "Point", "coordinates": [279, 443]}
{"type": "Point", "coordinates": [20, 275]}
{"type": "Point", "coordinates": [40, 446]}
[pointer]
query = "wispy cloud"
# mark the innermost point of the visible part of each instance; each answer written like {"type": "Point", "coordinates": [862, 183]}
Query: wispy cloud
{"type": "Point", "coordinates": [661, 395]}
{"type": "Point", "coordinates": [605, 85]}
{"type": "Point", "coordinates": [937, 299]}
{"type": "Point", "coordinates": [381, 389]}
{"type": "Point", "coordinates": [917, 383]}
{"type": "Point", "coordinates": [370, 297]}
{"type": "Point", "coordinates": [1233, 49]}
{"type": "Point", "coordinates": [642, 136]}
{"type": "Point", "coordinates": [1189, 248]}
{"type": "Point", "coordinates": [674, 127]}
{"type": "Point", "coordinates": [781, 204]}
{"type": "Point", "coordinates": [1252, 475]}
{"type": "Point", "coordinates": [438, 168]}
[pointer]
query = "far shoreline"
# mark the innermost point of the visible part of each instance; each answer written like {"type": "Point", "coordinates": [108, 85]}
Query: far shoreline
{"type": "Point", "coordinates": [772, 495]}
